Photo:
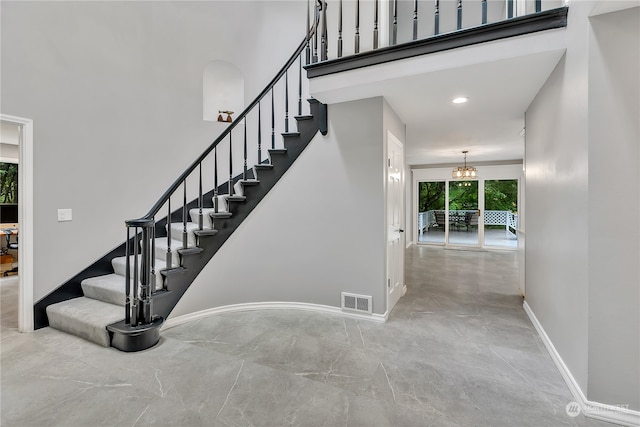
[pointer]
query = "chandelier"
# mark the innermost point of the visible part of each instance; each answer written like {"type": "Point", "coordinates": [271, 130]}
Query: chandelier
{"type": "Point", "coordinates": [465, 172]}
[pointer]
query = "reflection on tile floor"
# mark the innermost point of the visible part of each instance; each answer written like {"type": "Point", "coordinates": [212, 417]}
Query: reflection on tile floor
{"type": "Point", "coordinates": [492, 237]}
{"type": "Point", "coordinates": [458, 350]}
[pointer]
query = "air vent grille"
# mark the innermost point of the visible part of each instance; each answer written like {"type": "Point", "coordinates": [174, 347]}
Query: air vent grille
{"type": "Point", "coordinates": [359, 303]}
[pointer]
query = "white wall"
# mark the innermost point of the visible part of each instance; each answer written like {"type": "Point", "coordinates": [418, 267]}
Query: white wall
{"type": "Point", "coordinates": [614, 245]}
{"type": "Point", "coordinates": [557, 192]}
{"type": "Point", "coordinates": [110, 83]}
{"type": "Point", "coordinates": [582, 269]}
{"type": "Point", "coordinates": [319, 232]}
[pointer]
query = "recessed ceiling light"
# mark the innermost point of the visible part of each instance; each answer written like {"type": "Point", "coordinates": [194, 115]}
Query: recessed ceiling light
{"type": "Point", "coordinates": [460, 100]}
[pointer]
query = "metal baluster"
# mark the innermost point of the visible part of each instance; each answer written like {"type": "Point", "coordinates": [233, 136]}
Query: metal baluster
{"type": "Point", "coordinates": [538, 5]}
{"type": "Point", "coordinates": [316, 15]}
{"type": "Point", "coordinates": [134, 305]}
{"type": "Point", "coordinates": [307, 32]}
{"type": "Point", "coordinates": [375, 24]}
{"type": "Point", "coordinates": [394, 39]}
{"type": "Point", "coordinates": [340, 29]}
{"type": "Point", "coordinates": [415, 19]}
{"type": "Point", "coordinates": [273, 122]}
{"type": "Point", "coordinates": [286, 101]}
{"type": "Point", "coordinates": [144, 307]}
{"type": "Point", "coordinates": [300, 87]}
{"type": "Point", "coordinates": [509, 9]}
{"type": "Point", "coordinates": [325, 34]}
{"type": "Point", "coordinates": [153, 255]}
{"type": "Point", "coordinates": [127, 284]}
{"type": "Point", "coordinates": [357, 37]}
{"type": "Point", "coordinates": [244, 172]}
{"type": "Point", "coordinates": [484, 11]}
{"type": "Point", "coordinates": [436, 19]}
{"type": "Point", "coordinates": [459, 14]}
{"type": "Point", "coordinates": [259, 134]}
{"type": "Point", "coordinates": [215, 180]}
{"type": "Point", "coordinates": [184, 214]}
{"type": "Point", "coordinates": [169, 256]}
{"type": "Point", "coordinates": [200, 200]}
{"type": "Point", "coordinates": [230, 186]}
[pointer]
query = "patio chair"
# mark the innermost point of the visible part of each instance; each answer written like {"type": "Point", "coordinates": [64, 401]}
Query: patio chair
{"type": "Point", "coordinates": [470, 220]}
{"type": "Point", "coordinates": [440, 219]}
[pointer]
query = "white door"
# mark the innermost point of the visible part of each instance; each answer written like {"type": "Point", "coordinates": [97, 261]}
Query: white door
{"type": "Point", "coordinates": [395, 221]}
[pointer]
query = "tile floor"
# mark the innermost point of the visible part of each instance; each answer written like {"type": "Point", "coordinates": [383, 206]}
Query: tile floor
{"type": "Point", "coordinates": [458, 350]}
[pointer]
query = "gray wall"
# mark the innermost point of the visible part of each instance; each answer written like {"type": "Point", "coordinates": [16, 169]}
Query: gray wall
{"type": "Point", "coordinates": [110, 83]}
{"type": "Point", "coordinates": [582, 268]}
{"type": "Point", "coordinates": [614, 245]}
{"type": "Point", "coordinates": [319, 232]}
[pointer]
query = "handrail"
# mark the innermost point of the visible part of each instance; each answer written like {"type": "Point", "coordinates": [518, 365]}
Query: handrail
{"type": "Point", "coordinates": [174, 187]}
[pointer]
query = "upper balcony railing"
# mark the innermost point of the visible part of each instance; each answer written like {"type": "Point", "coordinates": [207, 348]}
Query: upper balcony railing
{"type": "Point", "coordinates": [355, 27]}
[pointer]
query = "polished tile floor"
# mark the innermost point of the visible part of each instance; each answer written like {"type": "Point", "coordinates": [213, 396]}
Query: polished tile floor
{"type": "Point", "coordinates": [458, 350]}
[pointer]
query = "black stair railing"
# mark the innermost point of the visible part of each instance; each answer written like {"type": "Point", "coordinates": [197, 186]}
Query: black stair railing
{"type": "Point", "coordinates": [142, 278]}
{"type": "Point", "coordinates": [420, 18]}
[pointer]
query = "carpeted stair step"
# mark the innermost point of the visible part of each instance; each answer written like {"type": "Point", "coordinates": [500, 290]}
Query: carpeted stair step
{"type": "Point", "coordinates": [220, 215]}
{"type": "Point", "coordinates": [108, 288]}
{"type": "Point", "coordinates": [206, 219]}
{"type": "Point", "coordinates": [262, 167]}
{"type": "Point", "coordinates": [177, 228]}
{"type": "Point", "coordinates": [161, 250]}
{"type": "Point", "coordinates": [119, 264]}
{"type": "Point", "coordinates": [86, 318]}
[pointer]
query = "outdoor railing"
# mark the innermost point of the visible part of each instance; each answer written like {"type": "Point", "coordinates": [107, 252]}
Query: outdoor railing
{"type": "Point", "coordinates": [507, 219]}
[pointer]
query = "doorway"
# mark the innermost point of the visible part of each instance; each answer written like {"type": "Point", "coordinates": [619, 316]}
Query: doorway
{"type": "Point", "coordinates": [481, 213]}
{"type": "Point", "coordinates": [395, 220]}
{"type": "Point", "coordinates": [24, 141]}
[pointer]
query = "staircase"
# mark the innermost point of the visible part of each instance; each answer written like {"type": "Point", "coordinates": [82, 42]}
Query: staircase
{"type": "Point", "coordinates": [139, 284]}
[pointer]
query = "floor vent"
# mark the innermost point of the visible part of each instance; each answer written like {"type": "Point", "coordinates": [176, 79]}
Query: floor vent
{"type": "Point", "coordinates": [359, 303]}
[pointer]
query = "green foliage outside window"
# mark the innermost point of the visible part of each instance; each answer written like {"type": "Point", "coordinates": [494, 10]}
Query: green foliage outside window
{"type": "Point", "coordinates": [8, 183]}
{"type": "Point", "coordinates": [500, 195]}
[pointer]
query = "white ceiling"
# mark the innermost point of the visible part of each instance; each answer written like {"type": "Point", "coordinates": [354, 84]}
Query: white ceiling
{"type": "Point", "coordinates": [500, 79]}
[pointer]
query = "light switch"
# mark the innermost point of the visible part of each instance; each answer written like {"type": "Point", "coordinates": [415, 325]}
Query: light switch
{"type": "Point", "coordinates": [64, 215]}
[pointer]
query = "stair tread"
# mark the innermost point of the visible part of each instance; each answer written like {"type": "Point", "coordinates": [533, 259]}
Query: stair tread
{"type": "Point", "coordinates": [250, 181]}
{"type": "Point", "coordinates": [264, 166]}
{"type": "Point", "coordinates": [290, 134]}
{"type": "Point", "coordinates": [206, 232]}
{"type": "Point", "coordinates": [108, 288]}
{"type": "Point", "coordinates": [304, 117]}
{"type": "Point", "coordinates": [175, 270]}
{"type": "Point", "coordinates": [235, 198]}
{"type": "Point", "coordinates": [190, 250]}
{"type": "Point", "coordinates": [119, 264]}
{"type": "Point", "coordinates": [220, 214]}
{"type": "Point", "coordinates": [86, 318]}
{"type": "Point", "coordinates": [277, 151]}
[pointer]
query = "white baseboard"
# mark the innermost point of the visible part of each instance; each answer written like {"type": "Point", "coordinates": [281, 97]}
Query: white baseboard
{"type": "Point", "coordinates": [600, 411]}
{"type": "Point", "coordinates": [180, 320]}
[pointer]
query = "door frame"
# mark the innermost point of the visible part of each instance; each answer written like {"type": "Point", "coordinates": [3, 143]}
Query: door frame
{"type": "Point", "coordinates": [391, 138]}
{"type": "Point", "coordinates": [25, 221]}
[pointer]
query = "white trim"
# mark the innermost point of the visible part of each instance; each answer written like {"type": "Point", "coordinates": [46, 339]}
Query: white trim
{"type": "Point", "coordinates": [599, 411]}
{"type": "Point", "coordinates": [25, 217]}
{"type": "Point", "coordinates": [274, 305]}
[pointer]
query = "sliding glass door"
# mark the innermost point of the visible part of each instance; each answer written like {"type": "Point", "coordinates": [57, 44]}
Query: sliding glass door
{"type": "Point", "coordinates": [501, 213]}
{"type": "Point", "coordinates": [463, 213]}
{"type": "Point", "coordinates": [431, 212]}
